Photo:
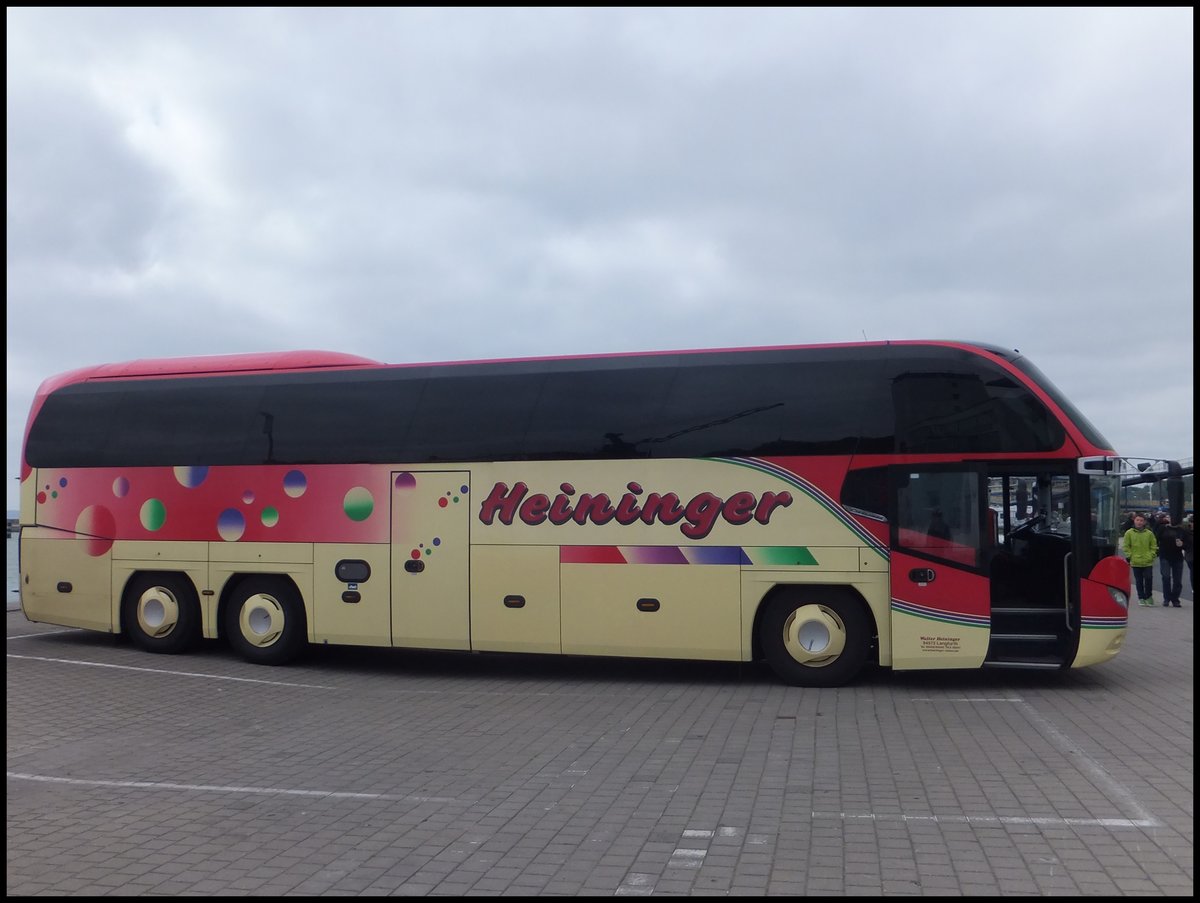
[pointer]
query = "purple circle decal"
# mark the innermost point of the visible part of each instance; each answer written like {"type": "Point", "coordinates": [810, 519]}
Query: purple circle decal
{"type": "Point", "coordinates": [405, 481]}
{"type": "Point", "coordinates": [294, 483]}
{"type": "Point", "coordinates": [231, 525]}
{"type": "Point", "coordinates": [120, 487]}
{"type": "Point", "coordinates": [191, 477]}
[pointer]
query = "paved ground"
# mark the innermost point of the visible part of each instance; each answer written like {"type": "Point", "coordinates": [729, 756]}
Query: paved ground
{"type": "Point", "coordinates": [379, 773]}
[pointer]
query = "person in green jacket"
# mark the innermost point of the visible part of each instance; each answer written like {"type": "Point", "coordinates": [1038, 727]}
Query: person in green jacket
{"type": "Point", "coordinates": [1140, 546]}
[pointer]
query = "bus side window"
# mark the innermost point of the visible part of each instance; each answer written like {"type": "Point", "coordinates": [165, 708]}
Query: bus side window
{"type": "Point", "coordinates": [937, 515]}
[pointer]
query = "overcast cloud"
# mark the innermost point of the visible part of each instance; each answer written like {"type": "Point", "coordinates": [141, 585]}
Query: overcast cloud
{"type": "Point", "coordinates": [432, 184]}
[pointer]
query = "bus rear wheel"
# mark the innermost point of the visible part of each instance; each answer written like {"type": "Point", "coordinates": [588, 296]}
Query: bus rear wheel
{"type": "Point", "coordinates": [161, 613]}
{"type": "Point", "coordinates": [817, 637]}
{"type": "Point", "coordinates": [264, 621]}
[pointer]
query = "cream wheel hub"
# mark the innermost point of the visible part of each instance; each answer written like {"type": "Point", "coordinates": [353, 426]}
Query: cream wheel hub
{"type": "Point", "coordinates": [814, 636]}
{"type": "Point", "coordinates": [261, 620]}
{"type": "Point", "coordinates": [157, 612]}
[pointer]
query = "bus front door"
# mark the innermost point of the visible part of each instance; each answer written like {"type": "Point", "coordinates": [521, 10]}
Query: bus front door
{"type": "Point", "coordinates": [1032, 568]}
{"type": "Point", "coordinates": [939, 590]}
{"type": "Point", "coordinates": [430, 559]}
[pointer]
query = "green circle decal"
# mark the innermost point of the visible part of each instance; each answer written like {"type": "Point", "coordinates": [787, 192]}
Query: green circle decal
{"type": "Point", "coordinates": [358, 504]}
{"type": "Point", "coordinates": [154, 514]}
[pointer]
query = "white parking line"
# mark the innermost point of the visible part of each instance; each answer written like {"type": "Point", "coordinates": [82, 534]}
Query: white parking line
{"type": "Point", "coordinates": [997, 820]}
{"type": "Point", "coordinates": [968, 699]}
{"type": "Point", "coordinates": [217, 788]}
{"type": "Point", "coordinates": [1093, 769]}
{"type": "Point", "coordinates": [25, 636]}
{"type": "Point", "coordinates": [248, 680]}
{"type": "Point", "coordinates": [1143, 818]}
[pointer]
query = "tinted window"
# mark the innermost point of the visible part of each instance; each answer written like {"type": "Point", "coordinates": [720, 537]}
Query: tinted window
{"type": "Point", "coordinates": [912, 399]}
{"type": "Point", "coordinates": [796, 408]}
{"type": "Point", "coordinates": [138, 423]}
{"type": "Point", "coordinates": [481, 417]}
{"type": "Point", "coordinates": [600, 413]}
{"type": "Point", "coordinates": [199, 423]}
{"type": "Point", "coordinates": [937, 513]}
{"type": "Point", "coordinates": [314, 419]}
{"type": "Point", "coordinates": [1084, 425]}
{"type": "Point", "coordinates": [866, 490]}
{"type": "Point", "coordinates": [956, 403]}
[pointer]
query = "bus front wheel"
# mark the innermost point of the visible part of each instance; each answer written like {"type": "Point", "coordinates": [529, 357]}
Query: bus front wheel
{"type": "Point", "coordinates": [817, 637]}
{"type": "Point", "coordinates": [161, 613]}
{"type": "Point", "coordinates": [264, 621]}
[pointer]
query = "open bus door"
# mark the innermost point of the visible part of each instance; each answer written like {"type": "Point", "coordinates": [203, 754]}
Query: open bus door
{"type": "Point", "coordinates": [983, 570]}
{"type": "Point", "coordinates": [939, 590]}
{"type": "Point", "coordinates": [1033, 566]}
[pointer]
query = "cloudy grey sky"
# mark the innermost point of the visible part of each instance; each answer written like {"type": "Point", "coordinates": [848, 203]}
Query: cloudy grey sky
{"type": "Point", "coordinates": [430, 184]}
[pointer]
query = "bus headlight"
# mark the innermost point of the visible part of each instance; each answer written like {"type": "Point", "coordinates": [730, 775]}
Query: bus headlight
{"type": "Point", "coordinates": [1119, 597]}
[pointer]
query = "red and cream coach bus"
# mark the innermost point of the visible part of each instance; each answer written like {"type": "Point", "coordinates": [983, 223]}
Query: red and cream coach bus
{"type": "Point", "coordinates": [911, 504]}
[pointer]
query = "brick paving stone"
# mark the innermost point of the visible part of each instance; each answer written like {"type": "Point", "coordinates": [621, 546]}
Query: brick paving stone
{"type": "Point", "coordinates": [503, 775]}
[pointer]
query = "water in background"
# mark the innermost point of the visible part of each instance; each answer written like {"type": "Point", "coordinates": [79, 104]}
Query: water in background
{"type": "Point", "coordinates": [14, 576]}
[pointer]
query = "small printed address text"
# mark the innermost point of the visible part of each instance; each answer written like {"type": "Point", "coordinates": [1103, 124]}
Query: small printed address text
{"type": "Point", "coordinates": [940, 644]}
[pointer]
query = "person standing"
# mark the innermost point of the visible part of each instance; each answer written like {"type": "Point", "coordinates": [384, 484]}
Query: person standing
{"type": "Point", "coordinates": [1141, 548]}
{"type": "Point", "coordinates": [1170, 560]}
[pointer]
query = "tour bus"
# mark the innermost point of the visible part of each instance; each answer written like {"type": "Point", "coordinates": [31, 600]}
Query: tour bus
{"type": "Point", "coordinates": [913, 505]}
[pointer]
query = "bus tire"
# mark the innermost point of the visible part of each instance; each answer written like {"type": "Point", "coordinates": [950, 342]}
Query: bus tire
{"type": "Point", "coordinates": [161, 613]}
{"type": "Point", "coordinates": [264, 621]}
{"type": "Point", "coordinates": [815, 637]}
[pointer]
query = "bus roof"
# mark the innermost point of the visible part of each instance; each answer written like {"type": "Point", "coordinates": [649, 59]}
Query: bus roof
{"type": "Point", "coordinates": [229, 363]}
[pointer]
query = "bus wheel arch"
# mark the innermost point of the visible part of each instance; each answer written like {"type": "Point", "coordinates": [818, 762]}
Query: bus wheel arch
{"type": "Point", "coordinates": [160, 612]}
{"type": "Point", "coordinates": [262, 617]}
{"type": "Point", "coordinates": [815, 635]}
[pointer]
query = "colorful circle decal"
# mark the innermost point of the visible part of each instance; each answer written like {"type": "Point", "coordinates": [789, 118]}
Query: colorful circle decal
{"type": "Point", "coordinates": [99, 525]}
{"type": "Point", "coordinates": [62, 482]}
{"type": "Point", "coordinates": [153, 514]}
{"type": "Point", "coordinates": [449, 497]}
{"type": "Point", "coordinates": [358, 504]}
{"type": "Point", "coordinates": [191, 477]}
{"type": "Point", "coordinates": [270, 517]}
{"type": "Point", "coordinates": [248, 497]}
{"type": "Point", "coordinates": [120, 487]}
{"type": "Point", "coordinates": [405, 481]}
{"type": "Point", "coordinates": [231, 525]}
{"type": "Point", "coordinates": [294, 483]}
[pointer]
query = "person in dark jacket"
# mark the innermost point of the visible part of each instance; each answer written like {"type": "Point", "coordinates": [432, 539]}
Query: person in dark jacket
{"type": "Point", "coordinates": [1170, 559]}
